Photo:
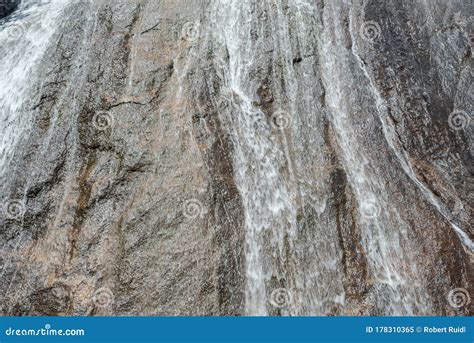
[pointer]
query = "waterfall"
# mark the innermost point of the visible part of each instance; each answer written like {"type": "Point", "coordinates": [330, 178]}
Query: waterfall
{"type": "Point", "coordinates": [269, 212]}
{"type": "Point", "coordinates": [24, 38]}
{"type": "Point", "coordinates": [385, 233]}
{"type": "Point", "coordinates": [278, 118]}
{"type": "Point", "coordinates": [273, 180]}
{"type": "Point", "coordinates": [389, 135]}
{"type": "Point", "coordinates": [261, 156]}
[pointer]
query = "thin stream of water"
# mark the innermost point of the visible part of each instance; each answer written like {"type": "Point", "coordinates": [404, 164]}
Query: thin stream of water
{"type": "Point", "coordinates": [258, 160]}
{"type": "Point", "coordinates": [269, 204]}
{"type": "Point", "coordinates": [24, 38]}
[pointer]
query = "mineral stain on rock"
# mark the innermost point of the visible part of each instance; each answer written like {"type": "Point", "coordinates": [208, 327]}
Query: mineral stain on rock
{"type": "Point", "coordinates": [233, 157]}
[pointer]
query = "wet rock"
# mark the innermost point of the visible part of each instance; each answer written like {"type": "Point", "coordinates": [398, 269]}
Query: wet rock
{"type": "Point", "coordinates": [163, 145]}
{"type": "Point", "coordinates": [51, 301]}
{"type": "Point", "coordinates": [7, 7]}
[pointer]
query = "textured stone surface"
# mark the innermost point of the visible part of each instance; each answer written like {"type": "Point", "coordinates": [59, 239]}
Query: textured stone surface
{"type": "Point", "coordinates": [128, 178]}
{"type": "Point", "coordinates": [7, 7]}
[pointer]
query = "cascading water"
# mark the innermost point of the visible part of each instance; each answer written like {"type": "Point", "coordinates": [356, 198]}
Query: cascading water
{"type": "Point", "coordinates": [384, 233]}
{"type": "Point", "coordinates": [269, 212]}
{"type": "Point", "coordinates": [268, 194]}
{"type": "Point", "coordinates": [401, 155]}
{"type": "Point", "coordinates": [267, 177]}
{"type": "Point", "coordinates": [24, 37]}
{"type": "Point", "coordinates": [337, 220]}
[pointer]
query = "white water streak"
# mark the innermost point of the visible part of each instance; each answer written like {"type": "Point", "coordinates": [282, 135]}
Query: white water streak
{"type": "Point", "coordinates": [401, 155]}
{"type": "Point", "coordinates": [269, 212]}
{"type": "Point", "coordinates": [383, 244]}
{"type": "Point", "coordinates": [24, 37]}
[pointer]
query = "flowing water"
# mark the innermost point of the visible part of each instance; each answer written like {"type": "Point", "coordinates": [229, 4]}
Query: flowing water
{"type": "Point", "coordinates": [275, 151]}
{"type": "Point", "coordinates": [384, 233]}
{"type": "Point", "coordinates": [24, 38]}
{"type": "Point", "coordinates": [269, 212]}
{"type": "Point", "coordinates": [265, 171]}
{"type": "Point", "coordinates": [260, 159]}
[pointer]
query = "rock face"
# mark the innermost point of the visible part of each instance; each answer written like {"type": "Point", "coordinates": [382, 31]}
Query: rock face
{"type": "Point", "coordinates": [233, 157]}
{"type": "Point", "coordinates": [7, 7]}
